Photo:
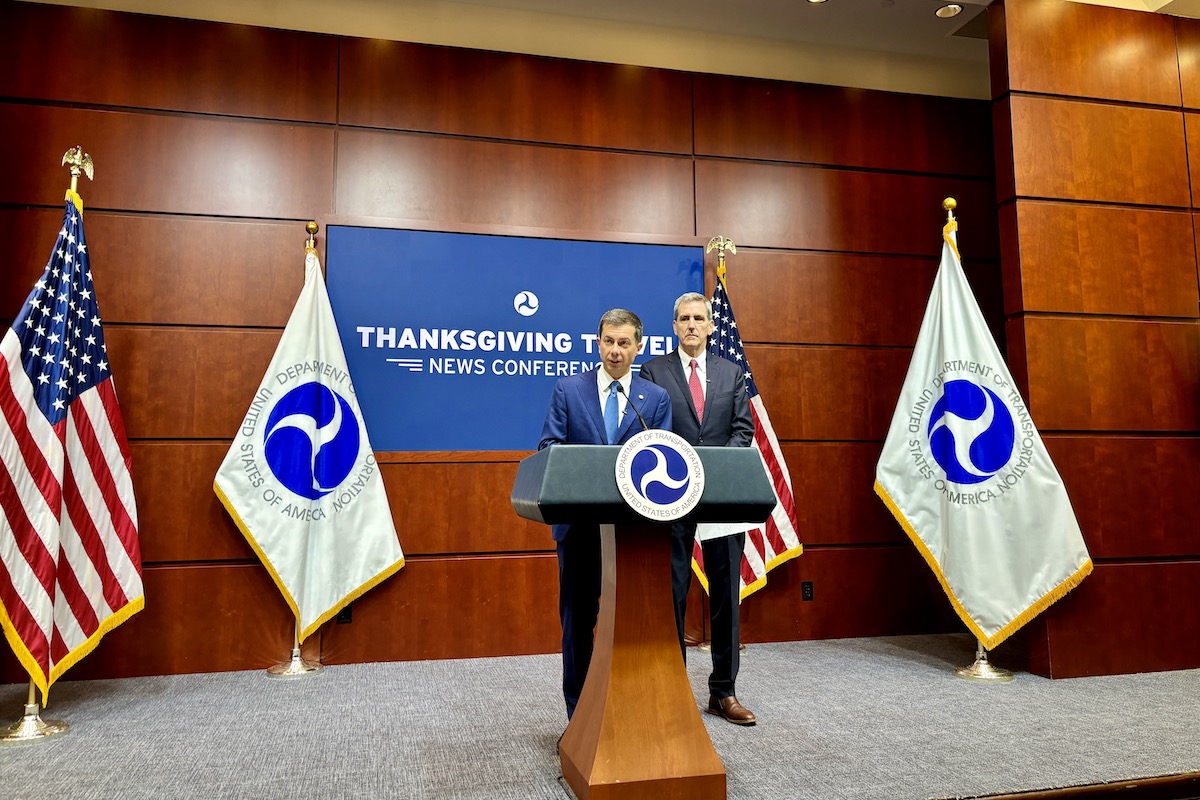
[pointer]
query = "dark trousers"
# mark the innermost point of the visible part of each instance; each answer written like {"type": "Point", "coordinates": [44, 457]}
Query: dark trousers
{"type": "Point", "coordinates": [722, 567]}
{"type": "Point", "coordinates": [579, 571]}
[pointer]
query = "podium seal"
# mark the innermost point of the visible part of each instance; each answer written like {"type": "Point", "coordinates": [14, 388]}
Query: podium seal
{"type": "Point", "coordinates": [660, 475]}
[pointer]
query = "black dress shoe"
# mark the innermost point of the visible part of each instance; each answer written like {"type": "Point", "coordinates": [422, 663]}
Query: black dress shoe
{"type": "Point", "coordinates": [731, 709]}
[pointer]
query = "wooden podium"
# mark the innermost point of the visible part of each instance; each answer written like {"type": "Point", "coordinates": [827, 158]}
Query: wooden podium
{"type": "Point", "coordinates": [636, 733]}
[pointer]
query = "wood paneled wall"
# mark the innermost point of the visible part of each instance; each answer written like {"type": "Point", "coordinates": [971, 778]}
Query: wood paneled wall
{"type": "Point", "coordinates": [1095, 131]}
{"type": "Point", "coordinates": [215, 143]}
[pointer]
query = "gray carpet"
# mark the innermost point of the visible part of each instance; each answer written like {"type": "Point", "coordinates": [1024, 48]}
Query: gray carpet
{"type": "Point", "coordinates": [856, 718]}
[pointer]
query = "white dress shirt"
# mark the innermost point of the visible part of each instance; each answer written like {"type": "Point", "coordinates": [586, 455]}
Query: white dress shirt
{"type": "Point", "coordinates": [604, 380]}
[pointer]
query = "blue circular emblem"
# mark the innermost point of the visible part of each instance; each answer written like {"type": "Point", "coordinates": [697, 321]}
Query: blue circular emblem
{"type": "Point", "coordinates": [311, 440]}
{"type": "Point", "coordinates": [971, 432]}
{"type": "Point", "coordinates": [660, 475]}
{"type": "Point", "coordinates": [526, 303]}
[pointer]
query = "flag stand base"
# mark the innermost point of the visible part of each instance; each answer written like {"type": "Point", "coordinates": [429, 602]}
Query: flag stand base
{"type": "Point", "coordinates": [31, 728]}
{"type": "Point", "coordinates": [706, 646]}
{"type": "Point", "coordinates": [982, 670]}
{"type": "Point", "coordinates": [295, 668]}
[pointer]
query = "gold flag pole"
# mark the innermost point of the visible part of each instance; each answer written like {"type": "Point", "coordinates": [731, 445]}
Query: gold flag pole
{"type": "Point", "coordinates": [299, 666]}
{"type": "Point", "coordinates": [720, 244]}
{"type": "Point", "coordinates": [79, 162]}
{"type": "Point", "coordinates": [31, 727]}
{"type": "Point", "coordinates": [982, 669]}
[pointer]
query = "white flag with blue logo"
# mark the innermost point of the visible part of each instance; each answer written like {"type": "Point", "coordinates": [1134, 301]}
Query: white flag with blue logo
{"type": "Point", "coordinates": [301, 480]}
{"type": "Point", "coordinates": [966, 474]}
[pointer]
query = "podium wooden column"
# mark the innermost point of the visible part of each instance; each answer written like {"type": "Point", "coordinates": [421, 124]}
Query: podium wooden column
{"type": "Point", "coordinates": [637, 733]}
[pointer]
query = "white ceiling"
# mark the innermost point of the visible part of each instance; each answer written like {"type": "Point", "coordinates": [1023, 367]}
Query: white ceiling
{"type": "Point", "coordinates": [893, 26]}
{"type": "Point", "coordinates": [893, 45]}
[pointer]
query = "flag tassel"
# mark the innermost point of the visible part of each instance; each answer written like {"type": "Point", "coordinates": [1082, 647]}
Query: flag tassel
{"type": "Point", "coordinates": [31, 727]}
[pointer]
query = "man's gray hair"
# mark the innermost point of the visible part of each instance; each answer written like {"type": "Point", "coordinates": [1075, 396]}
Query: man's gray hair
{"type": "Point", "coordinates": [692, 297]}
{"type": "Point", "coordinates": [621, 316]}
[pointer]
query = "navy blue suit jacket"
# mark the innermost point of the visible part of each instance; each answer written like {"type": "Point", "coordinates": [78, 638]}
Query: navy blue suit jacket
{"type": "Point", "coordinates": [727, 418]}
{"type": "Point", "coordinates": [575, 416]}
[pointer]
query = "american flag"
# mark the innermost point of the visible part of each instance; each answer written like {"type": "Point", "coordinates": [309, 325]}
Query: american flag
{"type": "Point", "coordinates": [775, 541]}
{"type": "Point", "coordinates": [70, 563]}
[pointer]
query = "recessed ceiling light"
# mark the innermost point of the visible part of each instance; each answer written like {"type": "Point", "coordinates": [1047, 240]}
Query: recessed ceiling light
{"type": "Point", "coordinates": [814, 2]}
{"type": "Point", "coordinates": [947, 11]}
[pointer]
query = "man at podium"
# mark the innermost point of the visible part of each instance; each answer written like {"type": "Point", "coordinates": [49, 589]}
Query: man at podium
{"type": "Point", "coordinates": [593, 408]}
{"type": "Point", "coordinates": [710, 407]}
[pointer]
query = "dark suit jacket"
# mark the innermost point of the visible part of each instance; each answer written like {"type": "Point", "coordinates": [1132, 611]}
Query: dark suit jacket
{"type": "Point", "coordinates": [575, 416]}
{"type": "Point", "coordinates": [727, 418]}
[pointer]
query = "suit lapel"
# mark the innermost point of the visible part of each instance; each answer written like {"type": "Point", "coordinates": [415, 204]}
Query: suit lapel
{"type": "Point", "coordinates": [720, 379]}
{"type": "Point", "coordinates": [637, 395]}
{"type": "Point", "coordinates": [589, 394]}
{"type": "Point", "coordinates": [630, 414]}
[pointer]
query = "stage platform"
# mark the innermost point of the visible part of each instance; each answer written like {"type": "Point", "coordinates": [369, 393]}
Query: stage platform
{"type": "Point", "coordinates": [849, 719]}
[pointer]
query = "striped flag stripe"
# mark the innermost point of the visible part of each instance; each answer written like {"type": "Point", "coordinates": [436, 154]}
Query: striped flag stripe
{"type": "Point", "coordinates": [73, 608]}
{"type": "Point", "coordinates": [772, 535]}
{"type": "Point", "coordinates": [775, 535]}
{"type": "Point", "coordinates": [74, 599]}
{"type": "Point", "coordinates": [93, 472]}
{"type": "Point", "coordinates": [776, 466]}
{"type": "Point", "coordinates": [58, 649]}
{"type": "Point", "coordinates": [85, 552]}
{"type": "Point", "coordinates": [107, 392]}
{"type": "Point", "coordinates": [37, 465]}
{"type": "Point", "coordinates": [753, 542]}
{"type": "Point", "coordinates": [26, 551]}
{"type": "Point", "coordinates": [118, 482]}
{"type": "Point", "coordinates": [29, 635]}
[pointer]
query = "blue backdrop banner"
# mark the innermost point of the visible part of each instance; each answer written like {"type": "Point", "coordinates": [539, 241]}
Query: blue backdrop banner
{"type": "Point", "coordinates": [454, 341]}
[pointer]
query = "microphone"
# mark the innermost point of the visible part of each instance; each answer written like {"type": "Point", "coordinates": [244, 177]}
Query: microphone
{"type": "Point", "coordinates": [629, 402]}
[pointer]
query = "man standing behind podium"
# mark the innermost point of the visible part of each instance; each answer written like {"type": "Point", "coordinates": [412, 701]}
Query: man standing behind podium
{"type": "Point", "coordinates": [589, 408]}
{"type": "Point", "coordinates": [710, 407]}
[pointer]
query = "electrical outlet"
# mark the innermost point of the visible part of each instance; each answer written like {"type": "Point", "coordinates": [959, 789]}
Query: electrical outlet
{"type": "Point", "coordinates": [346, 615]}
{"type": "Point", "coordinates": [806, 590]}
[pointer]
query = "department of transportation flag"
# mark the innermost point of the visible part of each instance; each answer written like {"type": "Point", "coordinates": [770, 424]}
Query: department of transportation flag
{"type": "Point", "coordinates": [300, 478]}
{"type": "Point", "coordinates": [967, 476]}
{"type": "Point", "coordinates": [70, 562]}
{"type": "Point", "coordinates": [775, 541]}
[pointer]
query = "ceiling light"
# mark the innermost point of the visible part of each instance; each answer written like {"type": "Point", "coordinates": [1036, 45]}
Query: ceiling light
{"type": "Point", "coordinates": [814, 2]}
{"type": "Point", "coordinates": [947, 11]}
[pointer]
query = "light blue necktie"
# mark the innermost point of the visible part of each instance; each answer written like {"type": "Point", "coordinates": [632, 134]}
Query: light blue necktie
{"type": "Point", "coordinates": [611, 413]}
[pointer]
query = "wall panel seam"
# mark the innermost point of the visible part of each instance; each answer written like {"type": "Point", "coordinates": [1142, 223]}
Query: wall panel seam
{"type": "Point", "coordinates": [1096, 101]}
{"type": "Point", "coordinates": [982, 178]}
{"type": "Point", "coordinates": [71, 105]}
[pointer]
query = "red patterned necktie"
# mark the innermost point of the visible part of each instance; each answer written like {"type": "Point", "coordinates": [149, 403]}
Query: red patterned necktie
{"type": "Point", "coordinates": [697, 392]}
